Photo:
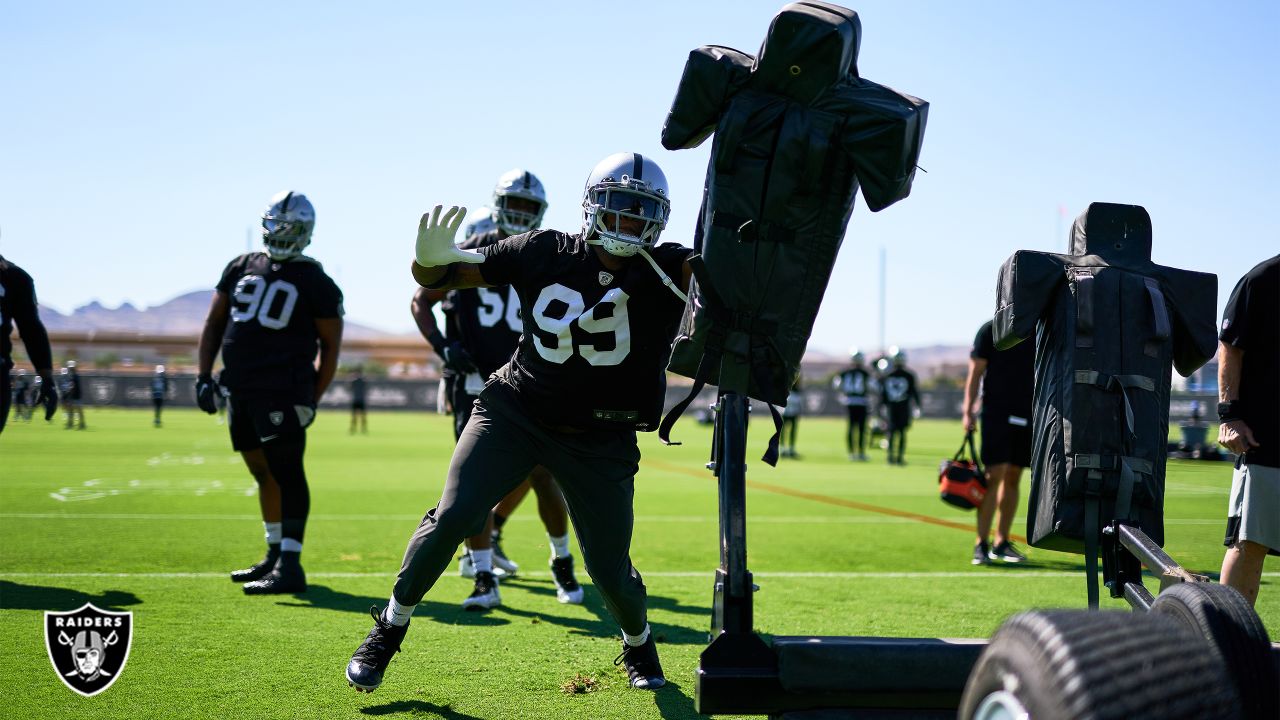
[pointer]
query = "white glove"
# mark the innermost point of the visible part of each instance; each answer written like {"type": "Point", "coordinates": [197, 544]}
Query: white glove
{"type": "Point", "coordinates": [435, 246]}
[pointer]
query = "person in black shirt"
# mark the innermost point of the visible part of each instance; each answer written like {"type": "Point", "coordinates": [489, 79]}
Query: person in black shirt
{"type": "Point", "coordinates": [21, 395]}
{"type": "Point", "coordinates": [599, 311]}
{"type": "Point", "coordinates": [1249, 409]}
{"type": "Point", "coordinates": [73, 395]}
{"type": "Point", "coordinates": [897, 392]}
{"type": "Point", "coordinates": [272, 313]}
{"type": "Point", "coordinates": [791, 421]}
{"type": "Point", "coordinates": [358, 392]}
{"type": "Point", "coordinates": [1007, 379]}
{"type": "Point", "coordinates": [18, 305]}
{"type": "Point", "coordinates": [854, 384]}
{"type": "Point", "coordinates": [159, 390]}
{"type": "Point", "coordinates": [482, 330]}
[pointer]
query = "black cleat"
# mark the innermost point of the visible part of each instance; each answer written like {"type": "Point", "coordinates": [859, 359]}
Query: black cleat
{"type": "Point", "coordinates": [260, 569]}
{"type": "Point", "coordinates": [980, 554]}
{"type": "Point", "coordinates": [500, 560]}
{"type": "Point", "coordinates": [641, 662]}
{"type": "Point", "coordinates": [284, 579]}
{"type": "Point", "coordinates": [364, 672]}
{"type": "Point", "coordinates": [568, 590]}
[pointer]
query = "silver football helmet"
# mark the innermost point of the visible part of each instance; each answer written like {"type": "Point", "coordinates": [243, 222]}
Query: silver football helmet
{"type": "Point", "coordinates": [898, 357]}
{"type": "Point", "coordinates": [519, 202]}
{"type": "Point", "coordinates": [287, 224]}
{"type": "Point", "coordinates": [625, 204]}
{"type": "Point", "coordinates": [857, 356]}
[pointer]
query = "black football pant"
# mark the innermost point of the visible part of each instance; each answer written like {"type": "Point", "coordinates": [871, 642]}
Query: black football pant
{"type": "Point", "coordinates": [595, 471]}
{"type": "Point", "coordinates": [6, 393]}
{"type": "Point", "coordinates": [857, 421]}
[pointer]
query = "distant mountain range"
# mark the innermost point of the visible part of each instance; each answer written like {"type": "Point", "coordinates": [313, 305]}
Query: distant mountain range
{"type": "Point", "coordinates": [183, 315]}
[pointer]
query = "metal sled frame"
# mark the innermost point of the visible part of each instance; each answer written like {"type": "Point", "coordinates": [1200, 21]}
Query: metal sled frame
{"type": "Point", "coordinates": [742, 674]}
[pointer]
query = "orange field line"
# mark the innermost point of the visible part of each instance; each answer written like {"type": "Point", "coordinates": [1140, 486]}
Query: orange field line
{"type": "Point", "coordinates": [829, 500]}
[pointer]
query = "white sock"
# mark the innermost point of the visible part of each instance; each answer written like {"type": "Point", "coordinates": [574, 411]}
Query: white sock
{"type": "Point", "coordinates": [290, 545]}
{"type": "Point", "coordinates": [482, 560]}
{"type": "Point", "coordinates": [636, 640]}
{"type": "Point", "coordinates": [273, 532]}
{"type": "Point", "coordinates": [397, 614]}
{"type": "Point", "coordinates": [559, 546]}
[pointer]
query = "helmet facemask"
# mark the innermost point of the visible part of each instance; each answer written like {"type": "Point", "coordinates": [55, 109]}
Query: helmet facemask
{"type": "Point", "coordinates": [287, 225]}
{"type": "Point", "coordinates": [519, 202]}
{"type": "Point", "coordinates": [625, 217]}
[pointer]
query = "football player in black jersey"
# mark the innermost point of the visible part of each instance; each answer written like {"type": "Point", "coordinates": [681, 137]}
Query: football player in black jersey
{"type": "Point", "coordinates": [600, 309]}
{"type": "Point", "coordinates": [18, 305]}
{"type": "Point", "coordinates": [853, 384]}
{"type": "Point", "coordinates": [897, 392]}
{"type": "Point", "coordinates": [272, 313]}
{"type": "Point", "coordinates": [159, 391]}
{"type": "Point", "coordinates": [72, 395]}
{"type": "Point", "coordinates": [482, 332]}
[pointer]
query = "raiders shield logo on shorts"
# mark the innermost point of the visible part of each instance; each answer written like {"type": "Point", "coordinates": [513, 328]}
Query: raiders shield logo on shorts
{"type": "Point", "coordinates": [276, 417]}
{"type": "Point", "coordinates": [88, 647]}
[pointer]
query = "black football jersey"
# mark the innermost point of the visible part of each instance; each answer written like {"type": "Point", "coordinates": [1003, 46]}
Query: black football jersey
{"type": "Point", "coordinates": [853, 384]}
{"type": "Point", "coordinates": [271, 340]}
{"type": "Point", "coordinates": [18, 302]}
{"type": "Point", "coordinates": [595, 342]}
{"type": "Point", "coordinates": [485, 320]}
{"type": "Point", "coordinates": [898, 387]}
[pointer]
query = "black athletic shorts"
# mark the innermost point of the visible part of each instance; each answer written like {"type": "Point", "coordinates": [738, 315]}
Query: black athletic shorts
{"type": "Point", "coordinates": [357, 405]}
{"type": "Point", "coordinates": [6, 393]}
{"type": "Point", "coordinates": [899, 416]}
{"type": "Point", "coordinates": [1006, 439]}
{"type": "Point", "coordinates": [257, 418]}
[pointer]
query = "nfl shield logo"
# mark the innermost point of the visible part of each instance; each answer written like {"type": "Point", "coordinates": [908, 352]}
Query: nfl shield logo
{"type": "Point", "coordinates": [276, 417]}
{"type": "Point", "coordinates": [88, 647]}
{"type": "Point", "coordinates": [605, 278]}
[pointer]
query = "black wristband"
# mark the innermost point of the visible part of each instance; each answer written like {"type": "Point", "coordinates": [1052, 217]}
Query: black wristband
{"type": "Point", "coordinates": [1228, 411]}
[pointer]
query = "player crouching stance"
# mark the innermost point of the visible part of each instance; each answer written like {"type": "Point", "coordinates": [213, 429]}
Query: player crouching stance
{"type": "Point", "coordinates": [587, 374]}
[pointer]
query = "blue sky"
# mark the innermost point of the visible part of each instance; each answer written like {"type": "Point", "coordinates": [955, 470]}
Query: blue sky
{"type": "Point", "coordinates": [139, 142]}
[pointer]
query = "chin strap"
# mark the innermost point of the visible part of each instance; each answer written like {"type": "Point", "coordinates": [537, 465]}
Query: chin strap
{"type": "Point", "coordinates": [666, 279]}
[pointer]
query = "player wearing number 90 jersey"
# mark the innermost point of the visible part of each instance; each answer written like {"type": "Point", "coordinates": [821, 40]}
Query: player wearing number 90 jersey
{"type": "Point", "coordinates": [272, 314]}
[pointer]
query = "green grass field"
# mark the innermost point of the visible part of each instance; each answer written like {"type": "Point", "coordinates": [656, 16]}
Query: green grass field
{"type": "Point", "coordinates": [149, 520]}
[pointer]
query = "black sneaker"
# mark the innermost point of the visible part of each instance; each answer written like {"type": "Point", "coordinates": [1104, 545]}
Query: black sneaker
{"type": "Point", "coordinates": [568, 590]}
{"type": "Point", "coordinates": [258, 570]}
{"type": "Point", "coordinates": [286, 578]}
{"type": "Point", "coordinates": [980, 552]}
{"type": "Point", "coordinates": [364, 672]}
{"type": "Point", "coordinates": [485, 595]}
{"type": "Point", "coordinates": [643, 669]}
{"type": "Point", "coordinates": [1007, 552]}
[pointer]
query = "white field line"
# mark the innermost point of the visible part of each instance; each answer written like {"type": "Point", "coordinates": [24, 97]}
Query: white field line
{"type": "Point", "coordinates": [530, 517]}
{"type": "Point", "coordinates": [974, 575]}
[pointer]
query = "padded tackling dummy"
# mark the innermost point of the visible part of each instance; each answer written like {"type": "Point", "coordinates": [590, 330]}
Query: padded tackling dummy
{"type": "Point", "coordinates": [796, 133]}
{"type": "Point", "coordinates": [1108, 325]}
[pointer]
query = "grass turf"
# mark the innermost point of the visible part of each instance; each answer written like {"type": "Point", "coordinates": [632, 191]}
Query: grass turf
{"type": "Point", "coordinates": [130, 517]}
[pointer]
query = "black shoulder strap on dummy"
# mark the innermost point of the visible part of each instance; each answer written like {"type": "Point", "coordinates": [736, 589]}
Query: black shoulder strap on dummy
{"type": "Point", "coordinates": [1083, 280]}
{"type": "Point", "coordinates": [713, 352]}
{"type": "Point", "coordinates": [1160, 314]}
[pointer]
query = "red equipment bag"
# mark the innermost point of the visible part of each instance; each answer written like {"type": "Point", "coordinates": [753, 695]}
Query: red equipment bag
{"type": "Point", "coordinates": [961, 481]}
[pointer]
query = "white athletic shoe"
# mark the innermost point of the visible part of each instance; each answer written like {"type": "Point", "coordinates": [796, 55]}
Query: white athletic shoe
{"type": "Point", "coordinates": [485, 596]}
{"type": "Point", "coordinates": [467, 570]}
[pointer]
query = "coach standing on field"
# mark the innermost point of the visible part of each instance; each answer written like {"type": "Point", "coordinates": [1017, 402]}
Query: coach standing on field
{"type": "Point", "coordinates": [1007, 378]}
{"type": "Point", "coordinates": [1249, 410]}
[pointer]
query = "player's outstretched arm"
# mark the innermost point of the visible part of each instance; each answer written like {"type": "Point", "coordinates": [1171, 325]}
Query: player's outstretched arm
{"type": "Point", "coordinates": [438, 263]}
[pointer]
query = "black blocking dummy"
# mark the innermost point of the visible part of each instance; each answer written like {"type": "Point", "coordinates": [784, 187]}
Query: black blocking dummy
{"type": "Point", "coordinates": [796, 133]}
{"type": "Point", "coordinates": [1108, 326]}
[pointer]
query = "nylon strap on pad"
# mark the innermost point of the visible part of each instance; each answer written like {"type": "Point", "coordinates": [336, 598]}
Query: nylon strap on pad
{"type": "Point", "coordinates": [1084, 308]}
{"type": "Point", "coordinates": [1160, 314]}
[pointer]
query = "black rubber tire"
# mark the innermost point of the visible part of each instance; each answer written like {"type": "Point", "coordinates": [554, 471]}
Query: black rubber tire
{"type": "Point", "coordinates": [1221, 615]}
{"type": "Point", "coordinates": [1077, 665]}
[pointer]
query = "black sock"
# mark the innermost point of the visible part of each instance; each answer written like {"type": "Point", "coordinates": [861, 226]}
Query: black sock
{"type": "Point", "coordinates": [289, 560]}
{"type": "Point", "coordinates": [498, 521]}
